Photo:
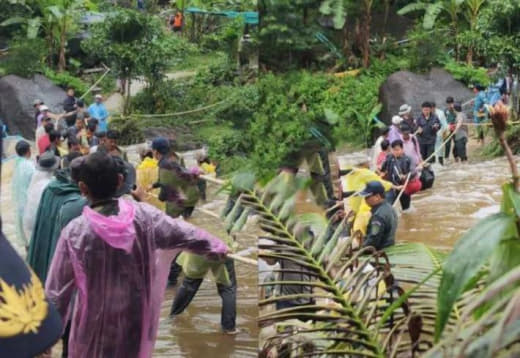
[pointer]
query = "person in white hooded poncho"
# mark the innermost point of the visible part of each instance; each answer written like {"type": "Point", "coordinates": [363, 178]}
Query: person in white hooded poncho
{"type": "Point", "coordinates": [23, 173]}
{"type": "Point", "coordinates": [47, 165]}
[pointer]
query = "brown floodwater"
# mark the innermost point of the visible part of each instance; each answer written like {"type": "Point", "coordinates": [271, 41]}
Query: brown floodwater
{"type": "Point", "coordinates": [462, 194]}
{"type": "Point", "coordinates": [196, 332]}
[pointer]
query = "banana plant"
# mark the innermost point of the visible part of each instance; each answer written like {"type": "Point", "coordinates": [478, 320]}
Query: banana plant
{"type": "Point", "coordinates": [55, 18]}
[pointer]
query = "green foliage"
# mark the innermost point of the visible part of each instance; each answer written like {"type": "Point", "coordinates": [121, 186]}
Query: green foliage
{"type": "Point", "coordinates": [225, 38]}
{"type": "Point", "coordinates": [64, 80]}
{"type": "Point", "coordinates": [26, 57]}
{"type": "Point", "coordinates": [467, 74]}
{"type": "Point", "coordinates": [133, 44]}
{"type": "Point", "coordinates": [488, 240]}
{"type": "Point", "coordinates": [287, 33]}
{"type": "Point", "coordinates": [494, 149]}
{"type": "Point", "coordinates": [427, 48]}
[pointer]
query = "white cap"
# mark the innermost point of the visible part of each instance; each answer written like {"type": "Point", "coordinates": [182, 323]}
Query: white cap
{"type": "Point", "coordinates": [396, 120]}
{"type": "Point", "coordinates": [98, 96]}
{"type": "Point", "coordinates": [44, 108]}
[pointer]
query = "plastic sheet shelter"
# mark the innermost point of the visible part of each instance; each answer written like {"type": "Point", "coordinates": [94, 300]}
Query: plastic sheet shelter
{"type": "Point", "coordinates": [250, 17]}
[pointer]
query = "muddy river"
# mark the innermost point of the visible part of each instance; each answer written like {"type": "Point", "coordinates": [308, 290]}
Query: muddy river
{"type": "Point", "coordinates": [462, 194]}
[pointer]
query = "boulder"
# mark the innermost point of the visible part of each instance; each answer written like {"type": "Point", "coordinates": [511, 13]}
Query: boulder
{"type": "Point", "coordinates": [16, 102]}
{"type": "Point", "coordinates": [414, 89]}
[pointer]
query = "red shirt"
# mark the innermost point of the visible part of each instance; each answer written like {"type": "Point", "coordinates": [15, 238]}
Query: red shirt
{"type": "Point", "coordinates": [43, 143]}
{"type": "Point", "coordinates": [380, 159]}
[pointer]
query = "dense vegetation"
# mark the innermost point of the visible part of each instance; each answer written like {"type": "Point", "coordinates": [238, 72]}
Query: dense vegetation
{"type": "Point", "coordinates": [301, 44]}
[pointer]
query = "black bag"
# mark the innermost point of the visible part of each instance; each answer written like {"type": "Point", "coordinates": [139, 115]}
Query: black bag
{"type": "Point", "coordinates": [427, 178]}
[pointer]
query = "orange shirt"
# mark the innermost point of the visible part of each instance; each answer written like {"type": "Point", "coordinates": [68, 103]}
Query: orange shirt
{"type": "Point", "coordinates": [178, 20]}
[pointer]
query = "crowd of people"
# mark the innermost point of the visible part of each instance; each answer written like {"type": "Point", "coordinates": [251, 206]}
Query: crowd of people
{"type": "Point", "coordinates": [404, 151]}
{"type": "Point", "coordinates": [104, 255]}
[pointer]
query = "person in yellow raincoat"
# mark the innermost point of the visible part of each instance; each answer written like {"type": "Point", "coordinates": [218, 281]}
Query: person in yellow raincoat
{"type": "Point", "coordinates": [355, 181]}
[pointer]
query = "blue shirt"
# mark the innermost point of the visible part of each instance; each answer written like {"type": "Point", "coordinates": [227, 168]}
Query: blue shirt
{"type": "Point", "coordinates": [99, 111]}
{"type": "Point", "coordinates": [478, 106]}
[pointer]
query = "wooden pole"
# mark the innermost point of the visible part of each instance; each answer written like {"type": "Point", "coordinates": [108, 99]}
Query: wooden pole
{"type": "Point", "coordinates": [244, 260]}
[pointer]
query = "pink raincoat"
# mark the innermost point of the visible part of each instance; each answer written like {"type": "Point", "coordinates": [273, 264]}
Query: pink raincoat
{"type": "Point", "coordinates": [118, 269]}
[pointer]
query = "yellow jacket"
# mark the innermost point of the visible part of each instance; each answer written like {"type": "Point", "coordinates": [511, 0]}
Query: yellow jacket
{"type": "Point", "coordinates": [356, 181]}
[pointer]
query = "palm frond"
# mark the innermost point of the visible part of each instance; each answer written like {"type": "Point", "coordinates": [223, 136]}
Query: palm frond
{"type": "Point", "coordinates": [340, 291]}
{"type": "Point", "coordinates": [495, 333]}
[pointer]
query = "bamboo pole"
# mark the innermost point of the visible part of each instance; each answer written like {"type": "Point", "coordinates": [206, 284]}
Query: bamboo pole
{"type": "Point", "coordinates": [242, 259]}
{"type": "Point", "coordinates": [95, 83]}
{"type": "Point", "coordinates": [402, 190]}
{"type": "Point", "coordinates": [212, 180]}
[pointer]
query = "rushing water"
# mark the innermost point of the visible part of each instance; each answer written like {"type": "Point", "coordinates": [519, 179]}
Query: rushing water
{"type": "Point", "coordinates": [461, 195]}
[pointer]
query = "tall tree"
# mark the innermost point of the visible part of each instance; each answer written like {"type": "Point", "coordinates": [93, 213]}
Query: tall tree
{"type": "Point", "coordinates": [472, 11]}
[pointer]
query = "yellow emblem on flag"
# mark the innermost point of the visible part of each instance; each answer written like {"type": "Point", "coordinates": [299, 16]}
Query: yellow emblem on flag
{"type": "Point", "coordinates": [22, 311]}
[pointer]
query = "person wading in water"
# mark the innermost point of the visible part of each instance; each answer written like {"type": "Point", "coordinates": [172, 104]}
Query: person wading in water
{"type": "Point", "coordinates": [108, 257]}
{"type": "Point", "coordinates": [383, 222]}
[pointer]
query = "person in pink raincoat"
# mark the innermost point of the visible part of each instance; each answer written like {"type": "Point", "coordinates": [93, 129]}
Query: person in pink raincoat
{"type": "Point", "coordinates": [116, 257]}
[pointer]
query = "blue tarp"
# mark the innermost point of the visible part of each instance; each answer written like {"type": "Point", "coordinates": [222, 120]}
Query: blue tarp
{"type": "Point", "coordinates": [250, 17]}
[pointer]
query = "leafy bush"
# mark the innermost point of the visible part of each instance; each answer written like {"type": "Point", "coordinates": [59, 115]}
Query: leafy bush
{"type": "Point", "coordinates": [26, 57]}
{"type": "Point", "coordinates": [467, 74]}
{"type": "Point", "coordinates": [64, 80]}
{"type": "Point", "coordinates": [426, 48]}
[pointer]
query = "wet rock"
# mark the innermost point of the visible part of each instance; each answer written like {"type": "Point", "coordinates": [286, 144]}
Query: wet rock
{"type": "Point", "coordinates": [413, 89]}
{"type": "Point", "coordinates": [16, 101]}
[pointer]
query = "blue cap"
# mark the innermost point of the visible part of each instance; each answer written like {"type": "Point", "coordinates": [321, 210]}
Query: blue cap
{"type": "Point", "coordinates": [372, 188]}
{"type": "Point", "coordinates": [161, 144]}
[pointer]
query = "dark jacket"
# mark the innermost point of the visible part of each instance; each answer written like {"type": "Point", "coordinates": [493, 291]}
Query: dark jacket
{"type": "Point", "coordinates": [430, 127]}
{"type": "Point", "coordinates": [381, 227]}
{"type": "Point", "coordinates": [178, 187]}
{"type": "Point", "coordinates": [395, 167]}
{"type": "Point", "coordinates": [48, 227]}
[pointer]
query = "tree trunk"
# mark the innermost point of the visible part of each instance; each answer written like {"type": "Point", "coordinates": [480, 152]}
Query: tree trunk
{"type": "Point", "coordinates": [365, 33]}
{"type": "Point", "coordinates": [182, 20]}
{"type": "Point", "coordinates": [469, 56]}
{"type": "Point", "coordinates": [387, 13]}
{"type": "Point", "coordinates": [50, 47]}
{"type": "Point", "coordinates": [345, 42]}
{"type": "Point", "coordinates": [62, 64]}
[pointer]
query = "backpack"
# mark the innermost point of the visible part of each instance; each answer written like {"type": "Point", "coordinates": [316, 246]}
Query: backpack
{"type": "Point", "coordinates": [427, 178]}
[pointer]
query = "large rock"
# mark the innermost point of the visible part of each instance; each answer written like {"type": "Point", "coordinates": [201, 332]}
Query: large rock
{"type": "Point", "coordinates": [16, 101]}
{"type": "Point", "coordinates": [413, 89]}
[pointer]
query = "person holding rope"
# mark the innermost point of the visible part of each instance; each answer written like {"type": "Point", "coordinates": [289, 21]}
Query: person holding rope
{"type": "Point", "coordinates": [398, 169]}
{"type": "Point", "coordinates": [451, 120]}
{"type": "Point", "coordinates": [461, 134]}
{"type": "Point", "coordinates": [428, 125]}
{"type": "Point", "coordinates": [480, 114]}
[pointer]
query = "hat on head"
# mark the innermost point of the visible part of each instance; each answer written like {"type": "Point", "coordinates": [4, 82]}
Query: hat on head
{"type": "Point", "coordinates": [44, 108]}
{"type": "Point", "coordinates": [37, 102]}
{"type": "Point", "coordinates": [372, 188]}
{"type": "Point", "coordinates": [404, 109]}
{"type": "Point", "coordinates": [48, 162]}
{"type": "Point", "coordinates": [396, 120]}
{"type": "Point", "coordinates": [33, 325]}
{"type": "Point", "coordinates": [161, 144]}
{"type": "Point", "coordinates": [98, 96]}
